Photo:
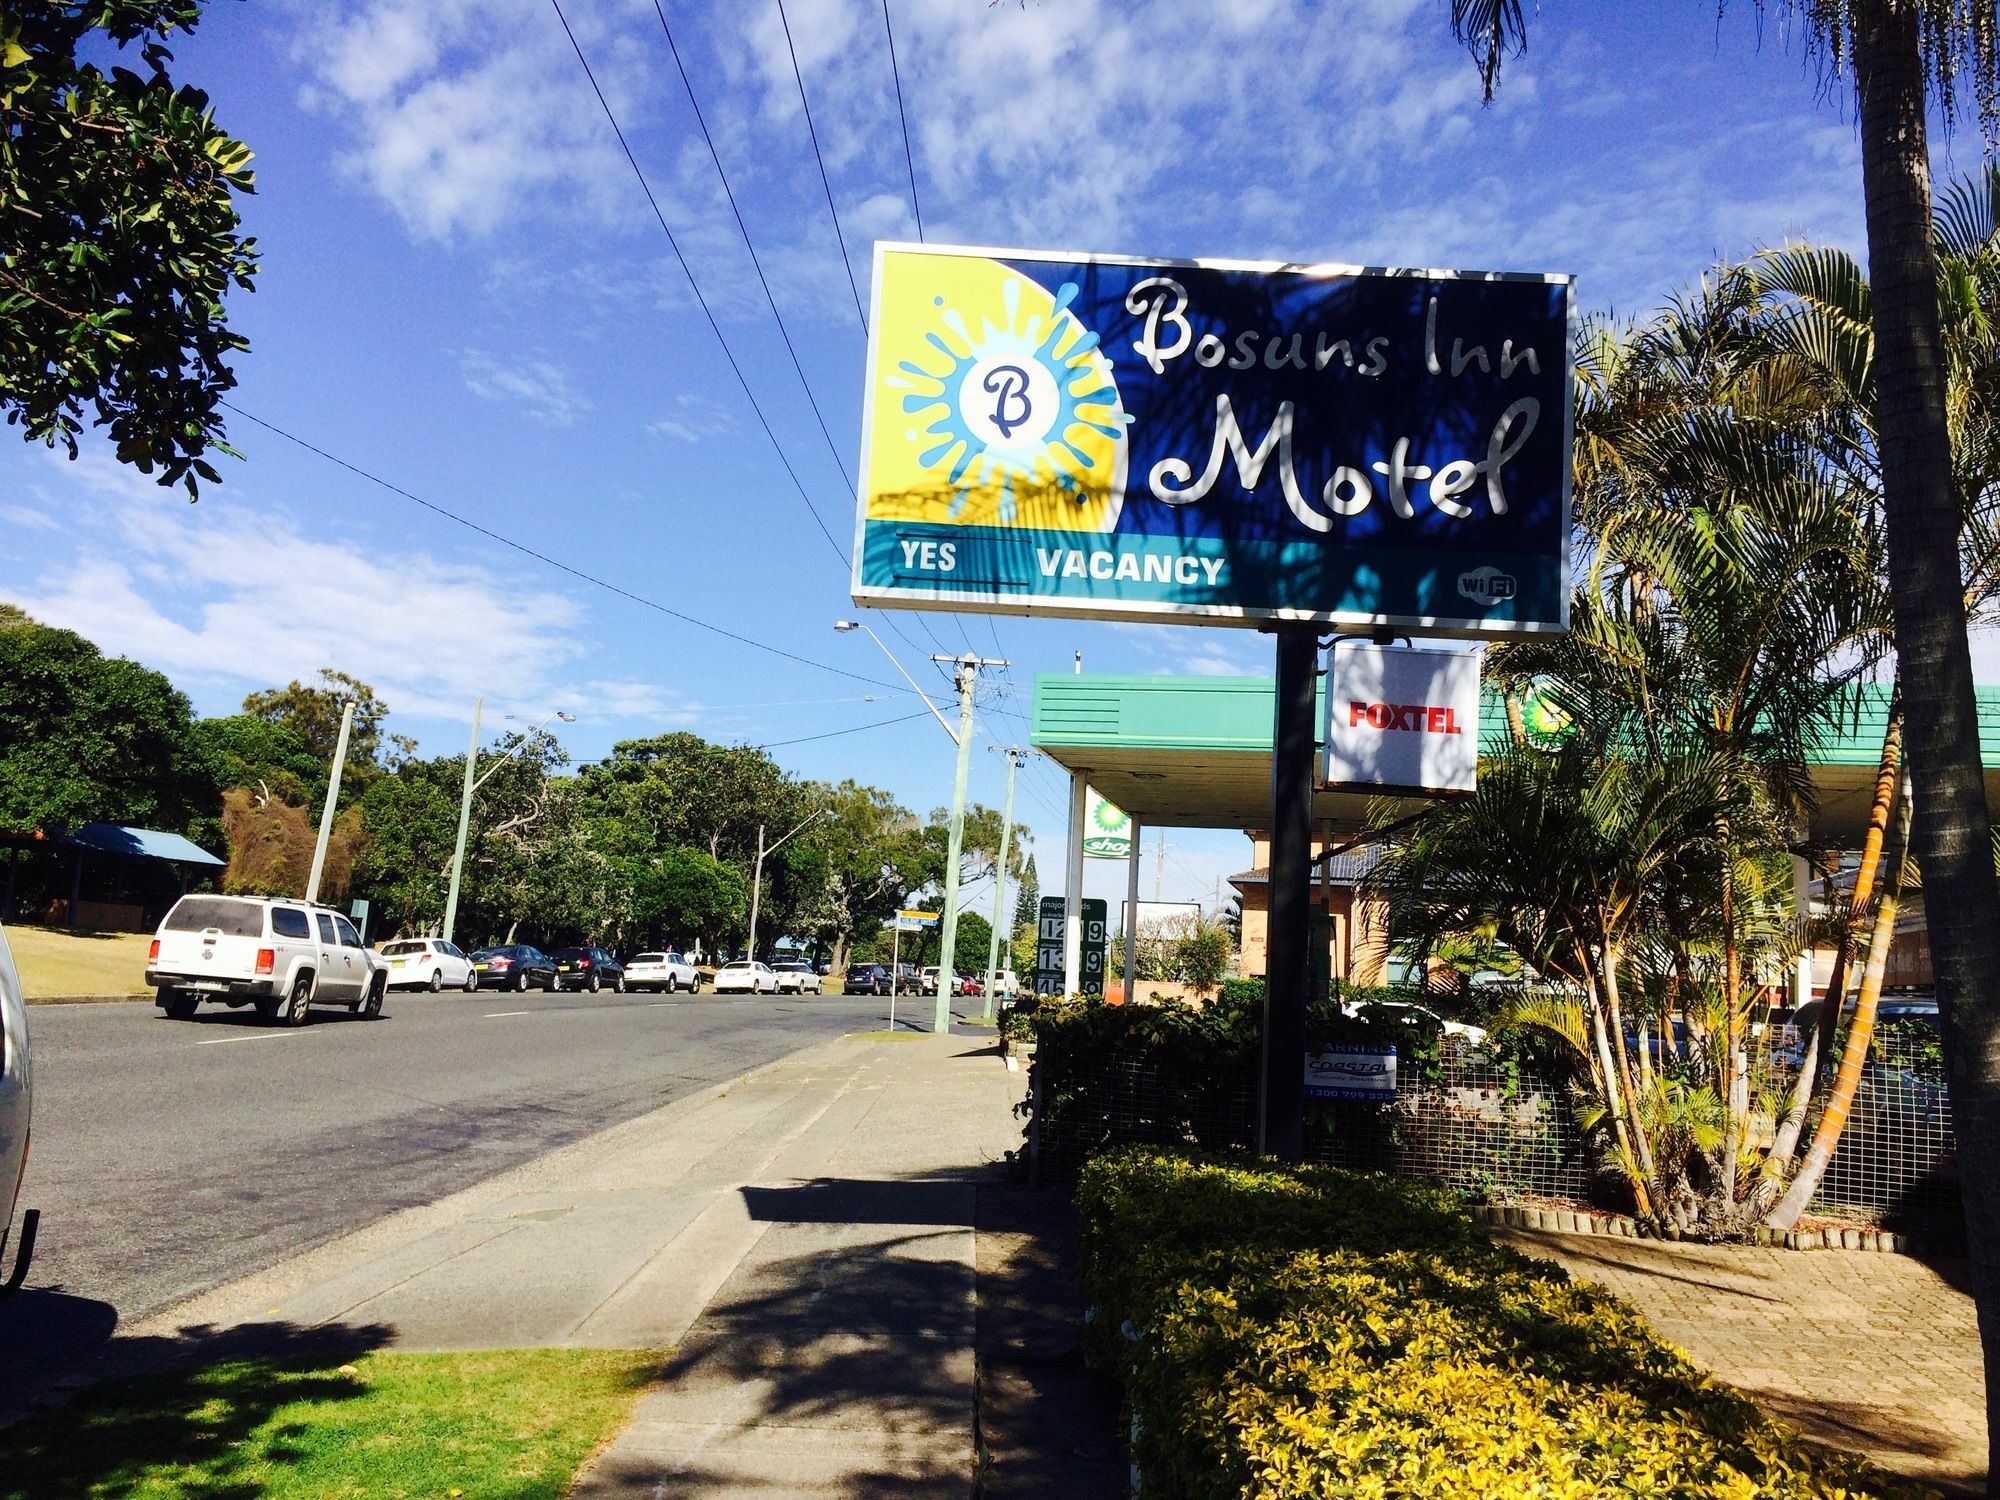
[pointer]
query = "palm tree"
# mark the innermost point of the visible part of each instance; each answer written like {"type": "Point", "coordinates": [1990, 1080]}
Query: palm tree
{"type": "Point", "coordinates": [1900, 52]}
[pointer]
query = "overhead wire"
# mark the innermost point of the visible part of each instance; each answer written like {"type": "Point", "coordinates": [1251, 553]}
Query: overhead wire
{"type": "Point", "coordinates": [835, 733]}
{"type": "Point", "coordinates": [544, 558]}
{"type": "Point", "coordinates": [909, 156]}
{"type": "Point", "coordinates": [695, 286]}
{"type": "Point", "coordinates": [824, 181]}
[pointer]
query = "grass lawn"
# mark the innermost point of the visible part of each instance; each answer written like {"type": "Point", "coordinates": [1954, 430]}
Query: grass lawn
{"type": "Point", "coordinates": [54, 961]}
{"type": "Point", "coordinates": [507, 1424]}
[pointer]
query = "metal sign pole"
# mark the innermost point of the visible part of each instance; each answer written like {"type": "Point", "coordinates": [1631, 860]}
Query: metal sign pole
{"type": "Point", "coordinates": [895, 969]}
{"type": "Point", "coordinates": [1281, 1119]}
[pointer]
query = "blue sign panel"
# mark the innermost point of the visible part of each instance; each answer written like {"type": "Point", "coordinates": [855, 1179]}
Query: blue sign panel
{"type": "Point", "coordinates": [1105, 437]}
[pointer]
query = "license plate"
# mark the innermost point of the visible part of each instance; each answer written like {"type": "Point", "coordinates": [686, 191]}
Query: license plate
{"type": "Point", "coordinates": [482, 967]}
{"type": "Point", "coordinates": [397, 963]}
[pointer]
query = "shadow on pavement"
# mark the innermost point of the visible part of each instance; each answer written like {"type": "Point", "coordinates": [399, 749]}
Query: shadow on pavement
{"type": "Point", "coordinates": [858, 1353]}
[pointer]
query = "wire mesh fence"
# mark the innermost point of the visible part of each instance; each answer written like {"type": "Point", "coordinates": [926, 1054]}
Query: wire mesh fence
{"type": "Point", "coordinates": [1502, 1131]}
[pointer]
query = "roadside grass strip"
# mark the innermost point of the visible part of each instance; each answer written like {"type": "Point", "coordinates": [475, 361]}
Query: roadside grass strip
{"type": "Point", "coordinates": [507, 1424]}
{"type": "Point", "coordinates": [1325, 1333]}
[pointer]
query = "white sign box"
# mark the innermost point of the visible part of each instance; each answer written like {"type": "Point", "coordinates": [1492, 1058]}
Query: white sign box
{"type": "Point", "coordinates": [1401, 719]}
{"type": "Point", "coordinates": [1352, 1073]}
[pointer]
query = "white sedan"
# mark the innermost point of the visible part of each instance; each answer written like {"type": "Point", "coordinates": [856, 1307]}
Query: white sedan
{"type": "Point", "coordinates": [667, 971]}
{"type": "Point", "coordinates": [426, 963]}
{"type": "Point", "coordinates": [745, 978]}
{"type": "Point", "coordinates": [798, 978]}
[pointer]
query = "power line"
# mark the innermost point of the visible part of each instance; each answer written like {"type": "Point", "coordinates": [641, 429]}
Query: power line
{"type": "Point", "coordinates": [695, 286]}
{"type": "Point", "coordinates": [755, 260]}
{"type": "Point", "coordinates": [834, 733]}
{"type": "Point", "coordinates": [543, 557]}
{"type": "Point", "coordinates": [824, 181]}
{"type": "Point", "coordinates": [909, 157]}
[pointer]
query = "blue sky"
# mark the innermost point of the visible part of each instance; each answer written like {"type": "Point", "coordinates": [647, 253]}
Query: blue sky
{"type": "Point", "coordinates": [465, 293]}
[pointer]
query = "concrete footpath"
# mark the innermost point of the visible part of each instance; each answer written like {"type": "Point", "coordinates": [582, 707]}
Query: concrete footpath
{"type": "Point", "coordinates": [802, 1240]}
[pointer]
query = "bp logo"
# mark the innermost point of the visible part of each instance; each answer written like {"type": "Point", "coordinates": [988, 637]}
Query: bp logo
{"type": "Point", "coordinates": [1107, 832]}
{"type": "Point", "coordinates": [1546, 722]}
{"type": "Point", "coordinates": [1486, 587]}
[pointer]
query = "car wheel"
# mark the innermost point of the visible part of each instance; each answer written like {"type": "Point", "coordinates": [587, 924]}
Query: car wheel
{"type": "Point", "coordinates": [373, 1009]}
{"type": "Point", "coordinates": [671, 985]}
{"type": "Point", "coordinates": [618, 985]}
{"type": "Point", "coordinates": [694, 985]}
{"type": "Point", "coordinates": [521, 982]}
{"type": "Point", "coordinates": [437, 980]}
{"type": "Point", "coordinates": [179, 1005]}
{"type": "Point", "coordinates": [553, 984]}
{"type": "Point", "coordinates": [596, 982]}
{"type": "Point", "coordinates": [471, 981]}
{"type": "Point", "coordinates": [298, 1008]}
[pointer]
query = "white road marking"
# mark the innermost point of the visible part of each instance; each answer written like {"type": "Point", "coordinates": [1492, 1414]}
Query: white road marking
{"type": "Point", "coordinates": [262, 1036]}
{"type": "Point", "coordinates": [494, 1015]}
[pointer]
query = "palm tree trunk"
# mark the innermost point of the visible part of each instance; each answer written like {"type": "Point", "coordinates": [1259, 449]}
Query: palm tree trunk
{"type": "Point", "coordinates": [1614, 1098]}
{"type": "Point", "coordinates": [1642, 1146]}
{"type": "Point", "coordinates": [1840, 1100]}
{"type": "Point", "coordinates": [1735, 1077]}
{"type": "Point", "coordinates": [1792, 1126]}
{"type": "Point", "coordinates": [1952, 835]}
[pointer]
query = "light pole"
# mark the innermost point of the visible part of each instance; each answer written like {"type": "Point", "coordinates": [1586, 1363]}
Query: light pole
{"type": "Point", "coordinates": [465, 802]}
{"type": "Point", "coordinates": [967, 678]}
{"type": "Point", "coordinates": [757, 882]}
{"type": "Point", "coordinates": [847, 625]}
{"type": "Point", "coordinates": [1015, 755]}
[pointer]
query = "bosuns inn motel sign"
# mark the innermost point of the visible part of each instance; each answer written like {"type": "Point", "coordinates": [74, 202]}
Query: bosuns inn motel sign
{"type": "Point", "coordinates": [1233, 442]}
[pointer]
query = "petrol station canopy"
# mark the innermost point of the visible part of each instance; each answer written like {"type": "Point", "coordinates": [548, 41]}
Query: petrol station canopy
{"type": "Point", "coordinates": [1195, 752]}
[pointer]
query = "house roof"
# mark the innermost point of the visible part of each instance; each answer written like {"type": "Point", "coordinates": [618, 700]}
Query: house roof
{"type": "Point", "coordinates": [140, 843]}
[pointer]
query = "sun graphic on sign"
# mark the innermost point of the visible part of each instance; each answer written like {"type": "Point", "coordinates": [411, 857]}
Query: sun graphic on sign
{"type": "Point", "coordinates": [1109, 818]}
{"type": "Point", "coordinates": [1001, 408]}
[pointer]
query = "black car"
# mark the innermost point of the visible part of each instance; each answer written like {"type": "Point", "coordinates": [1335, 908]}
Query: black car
{"type": "Point", "coordinates": [517, 967]}
{"type": "Point", "coordinates": [588, 969]}
{"type": "Point", "coordinates": [866, 979]}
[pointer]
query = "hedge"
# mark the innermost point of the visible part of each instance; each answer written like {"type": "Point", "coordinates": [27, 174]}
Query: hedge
{"type": "Point", "coordinates": [1324, 1333]}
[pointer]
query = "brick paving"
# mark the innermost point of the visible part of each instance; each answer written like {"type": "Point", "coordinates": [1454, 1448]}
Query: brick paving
{"type": "Point", "coordinates": [1878, 1354]}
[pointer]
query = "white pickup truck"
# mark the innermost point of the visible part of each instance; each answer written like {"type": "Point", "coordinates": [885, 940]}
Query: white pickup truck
{"type": "Point", "coordinates": [282, 956]}
{"type": "Point", "coordinates": [16, 1097]}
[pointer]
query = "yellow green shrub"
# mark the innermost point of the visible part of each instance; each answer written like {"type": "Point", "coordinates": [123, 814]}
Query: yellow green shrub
{"type": "Point", "coordinates": [1324, 1333]}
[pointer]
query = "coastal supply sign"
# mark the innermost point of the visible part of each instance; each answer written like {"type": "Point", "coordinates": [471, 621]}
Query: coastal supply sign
{"type": "Point", "coordinates": [1399, 719]}
{"type": "Point", "coordinates": [1367, 1073]}
{"type": "Point", "coordinates": [1230, 442]}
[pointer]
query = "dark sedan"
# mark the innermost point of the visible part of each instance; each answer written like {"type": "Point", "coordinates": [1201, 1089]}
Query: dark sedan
{"type": "Point", "coordinates": [516, 966]}
{"type": "Point", "coordinates": [588, 969]}
{"type": "Point", "coordinates": [866, 979]}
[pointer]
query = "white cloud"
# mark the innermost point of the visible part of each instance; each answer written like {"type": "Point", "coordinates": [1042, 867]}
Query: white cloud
{"type": "Point", "coordinates": [541, 388]}
{"type": "Point", "coordinates": [694, 418]}
{"type": "Point", "coordinates": [237, 595]}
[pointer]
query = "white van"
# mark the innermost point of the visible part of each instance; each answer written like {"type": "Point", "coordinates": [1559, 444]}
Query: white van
{"type": "Point", "coordinates": [16, 1095]}
{"type": "Point", "coordinates": [280, 955]}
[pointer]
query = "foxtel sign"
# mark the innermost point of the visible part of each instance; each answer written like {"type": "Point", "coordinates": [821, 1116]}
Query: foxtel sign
{"type": "Point", "coordinates": [1401, 719]}
{"type": "Point", "coordinates": [1223, 442]}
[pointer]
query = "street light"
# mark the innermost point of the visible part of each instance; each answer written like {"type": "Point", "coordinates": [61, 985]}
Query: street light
{"type": "Point", "coordinates": [757, 881]}
{"type": "Point", "coordinates": [847, 625]}
{"type": "Point", "coordinates": [465, 800]}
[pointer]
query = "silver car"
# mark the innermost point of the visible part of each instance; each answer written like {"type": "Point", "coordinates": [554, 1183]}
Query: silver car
{"type": "Point", "coordinates": [16, 1094]}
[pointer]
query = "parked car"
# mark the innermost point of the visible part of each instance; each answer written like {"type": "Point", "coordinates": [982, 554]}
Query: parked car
{"type": "Point", "coordinates": [799, 979]}
{"type": "Point", "coordinates": [866, 979]}
{"type": "Point", "coordinates": [428, 964]}
{"type": "Point", "coordinates": [280, 955]}
{"type": "Point", "coordinates": [17, 1093]}
{"type": "Point", "coordinates": [669, 971]}
{"type": "Point", "coordinates": [1403, 1010]}
{"type": "Point", "coordinates": [961, 983]}
{"type": "Point", "coordinates": [1007, 985]}
{"type": "Point", "coordinates": [514, 966]}
{"type": "Point", "coordinates": [588, 969]}
{"type": "Point", "coordinates": [746, 976]}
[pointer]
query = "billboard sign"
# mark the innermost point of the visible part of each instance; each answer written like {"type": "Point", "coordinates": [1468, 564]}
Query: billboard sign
{"type": "Point", "coordinates": [1107, 829]}
{"type": "Point", "coordinates": [1049, 934]}
{"type": "Point", "coordinates": [1399, 719]}
{"type": "Point", "coordinates": [910, 921]}
{"type": "Point", "coordinates": [1223, 442]}
{"type": "Point", "coordinates": [1367, 1073]}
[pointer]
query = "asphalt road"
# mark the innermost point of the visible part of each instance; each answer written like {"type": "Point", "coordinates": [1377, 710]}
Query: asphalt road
{"type": "Point", "coordinates": [171, 1156]}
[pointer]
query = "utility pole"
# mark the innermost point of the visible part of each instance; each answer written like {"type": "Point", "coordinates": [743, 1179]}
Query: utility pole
{"type": "Point", "coordinates": [757, 883]}
{"type": "Point", "coordinates": [471, 786]}
{"type": "Point", "coordinates": [332, 799]}
{"type": "Point", "coordinates": [968, 679]}
{"type": "Point", "coordinates": [1015, 755]}
{"type": "Point", "coordinates": [464, 819]}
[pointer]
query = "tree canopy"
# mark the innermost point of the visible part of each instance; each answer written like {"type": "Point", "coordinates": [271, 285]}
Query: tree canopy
{"type": "Point", "coordinates": [118, 237]}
